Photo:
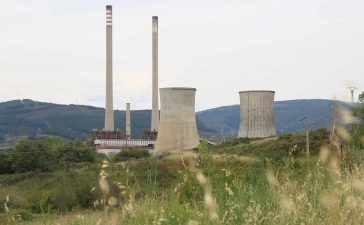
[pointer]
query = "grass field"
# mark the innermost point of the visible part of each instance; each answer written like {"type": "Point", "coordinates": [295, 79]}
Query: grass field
{"type": "Point", "coordinates": [260, 181]}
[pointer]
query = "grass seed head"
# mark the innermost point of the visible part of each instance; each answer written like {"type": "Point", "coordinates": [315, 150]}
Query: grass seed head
{"type": "Point", "coordinates": [112, 201]}
{"type": "Point", "coordinates": [193, 222]}
{"type": "Point", "coordinates": [324, 154]}
{"type": "Point", "coordinates": [343, 133]}
{"type": "Point", "coordinates": [345, 116]}
{"type": "Point", "coordinates": [201, 179]}
{"type": "Point", "coordinates": [358, 185]}
{"type": "Point", "coordinates": [104, 185]}
{"type": "Point", "coordinates": [287, 205]}
{"type": "Point", "coordinates": [271, 178]}
{"type": "Point", "coordinates": [351, 202]}
{"type": "Point", "coordinates": [330, 200]}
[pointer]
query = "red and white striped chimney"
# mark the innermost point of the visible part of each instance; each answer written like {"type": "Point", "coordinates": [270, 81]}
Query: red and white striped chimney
{"type": "Point", "coordinates": [109, 110]}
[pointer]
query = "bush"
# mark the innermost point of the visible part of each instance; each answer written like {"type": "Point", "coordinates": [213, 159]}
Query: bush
{"type": "Point", "coordinates": [31, 155]}
{"type": "Point", "coordinates": [125, 155]}
{"type": "Point", "coordinates": [5, 164]}
{"type": "Point", "coordinates": [76, 151]}
{"type": "Point", "coordinates": [42, 204]}
{"type": "Point", "coordinates": [45, 155]}
{"type": "Point", "coordinates": [86, 198]}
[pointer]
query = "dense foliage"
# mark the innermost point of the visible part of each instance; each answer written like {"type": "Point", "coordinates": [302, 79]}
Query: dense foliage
{"type": "Point", "coordinates": [44, 155]}
{"type": "Point", "coordinates": [358, 126]}
{"type": "Point", "coordinates": [130, 154]}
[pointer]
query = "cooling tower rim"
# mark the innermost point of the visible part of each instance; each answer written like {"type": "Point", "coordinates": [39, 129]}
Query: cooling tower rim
{"type": "Point", "coordinates": [254, 91]}
{"type": "Point", "coordinates": [178, 88]}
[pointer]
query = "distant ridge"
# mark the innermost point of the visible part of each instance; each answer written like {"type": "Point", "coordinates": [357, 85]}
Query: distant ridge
{"type": "Point", "coordinates": [288, 114]}
{"type": "Point", "coordinates": [29, 118]}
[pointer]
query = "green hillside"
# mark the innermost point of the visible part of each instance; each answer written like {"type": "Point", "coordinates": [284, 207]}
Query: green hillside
{"type": "Point", "coordinates": [30, 118]}
{"type": "Point", "coordinates": [288, 114]}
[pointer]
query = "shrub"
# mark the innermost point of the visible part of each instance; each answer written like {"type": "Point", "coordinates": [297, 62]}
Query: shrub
{"type": "Point", "coordinates": [5, 164]}
{"type": "Point", "coordinates": [76, 151]}
{"type": "Point", "coordinates": [125, 155]}
{"type": "Point", "coordinates": [42, 204]}
{"type": "Point", "coordinates": [86, 198]}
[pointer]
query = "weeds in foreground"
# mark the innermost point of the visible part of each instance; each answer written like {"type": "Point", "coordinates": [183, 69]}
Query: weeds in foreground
{"type": "Point", "coordinates": [327, 189]}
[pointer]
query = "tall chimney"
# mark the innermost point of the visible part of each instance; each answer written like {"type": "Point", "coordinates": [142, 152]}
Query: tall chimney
{"type": "Point", "coordinates": [155, 103]}
{"type": "Point", "coordinates": [109, 111]}
{"type": "Point", "coordinates": [127, 122]}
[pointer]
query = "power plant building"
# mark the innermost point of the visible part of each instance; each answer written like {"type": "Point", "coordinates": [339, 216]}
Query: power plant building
{"type": "Point", "coordinates": [257, 116]}
{"type": "Point", "coordinates": [177, 128]}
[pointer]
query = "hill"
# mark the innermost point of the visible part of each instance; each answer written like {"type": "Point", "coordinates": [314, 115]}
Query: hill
{"type": "Point", "coordinates": [30, 118]}
{"type": "Point", "coordinates": [288, 114]}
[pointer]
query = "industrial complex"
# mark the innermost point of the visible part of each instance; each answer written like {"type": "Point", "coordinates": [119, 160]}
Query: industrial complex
{"type": "Point", "coordinates": [174, 126]}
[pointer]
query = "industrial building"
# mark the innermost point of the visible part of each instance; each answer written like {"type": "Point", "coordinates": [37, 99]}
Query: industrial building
{"type": "Point", "coordinates": [177, 128]}
{"type": "Point", "coordinates": [109, 140]}
{"type": "Point", "coordinates": [257, 117]}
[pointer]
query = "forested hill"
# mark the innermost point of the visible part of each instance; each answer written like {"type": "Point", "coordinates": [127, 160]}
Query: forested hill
{"type": "Point", "coordinates": [288, 115]}
{"type": "Point", "coordinates": [30, 118]}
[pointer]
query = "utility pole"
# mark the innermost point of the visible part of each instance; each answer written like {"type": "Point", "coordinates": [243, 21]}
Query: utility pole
{"type": "Point", "coordinates": [222, 130]}
{"type": "Point", "coordinates": [307, 122]}
{"type": "Point", "coordinates": [352, 90]}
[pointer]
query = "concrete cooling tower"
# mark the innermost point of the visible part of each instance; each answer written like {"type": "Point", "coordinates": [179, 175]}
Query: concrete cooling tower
{"type": "Point", "coordinates": [257, 118]}
{"type": "Point", "coordinates": [177, 128]}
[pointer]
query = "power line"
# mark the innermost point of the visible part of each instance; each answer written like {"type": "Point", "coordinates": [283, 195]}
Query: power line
{"type": "Point", "coordinates": [307, 122]}
{"type": "Point", "coordinates": [352, 90]}
{"type": "Point", "coordinates": [29, 152]}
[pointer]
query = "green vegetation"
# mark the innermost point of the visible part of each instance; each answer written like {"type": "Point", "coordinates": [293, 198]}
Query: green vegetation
{"type": "Point", "coordinates": [45, 155]}
{"type": "Point", "coordinates": [238, 182]}
{"type": "Point", "coordinates": [128, 154]}
{"type": "Point", "coordinates": [71, 122]}
{"type": "Point", "coordinates": [358, 126]}
{"type": "Point", "coordinates": [275, 148]}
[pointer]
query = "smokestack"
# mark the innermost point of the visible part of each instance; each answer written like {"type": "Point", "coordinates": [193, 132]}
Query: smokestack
{"type": "Point", "coordinates": [127, 122]}
{"type": "Point", "coordinates": [109, 111]}
{"type": "Point", "coordinates": [155, 103]}
{"type": "Point", "coordinates": [257, 117]}
{"type": "Point", "coordinates": [177, 130]}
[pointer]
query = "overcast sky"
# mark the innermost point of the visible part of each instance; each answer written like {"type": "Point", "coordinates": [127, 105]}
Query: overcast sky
{"type": "Point", "coordinates": [53, 50]}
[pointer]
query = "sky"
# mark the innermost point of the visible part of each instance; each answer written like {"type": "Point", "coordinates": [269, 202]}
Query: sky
{"type": "Point", "coordinates": [54, 51]}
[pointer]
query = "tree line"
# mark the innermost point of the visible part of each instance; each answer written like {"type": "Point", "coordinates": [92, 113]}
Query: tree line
{"type": "Point", "coordinates": [45, 155]}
